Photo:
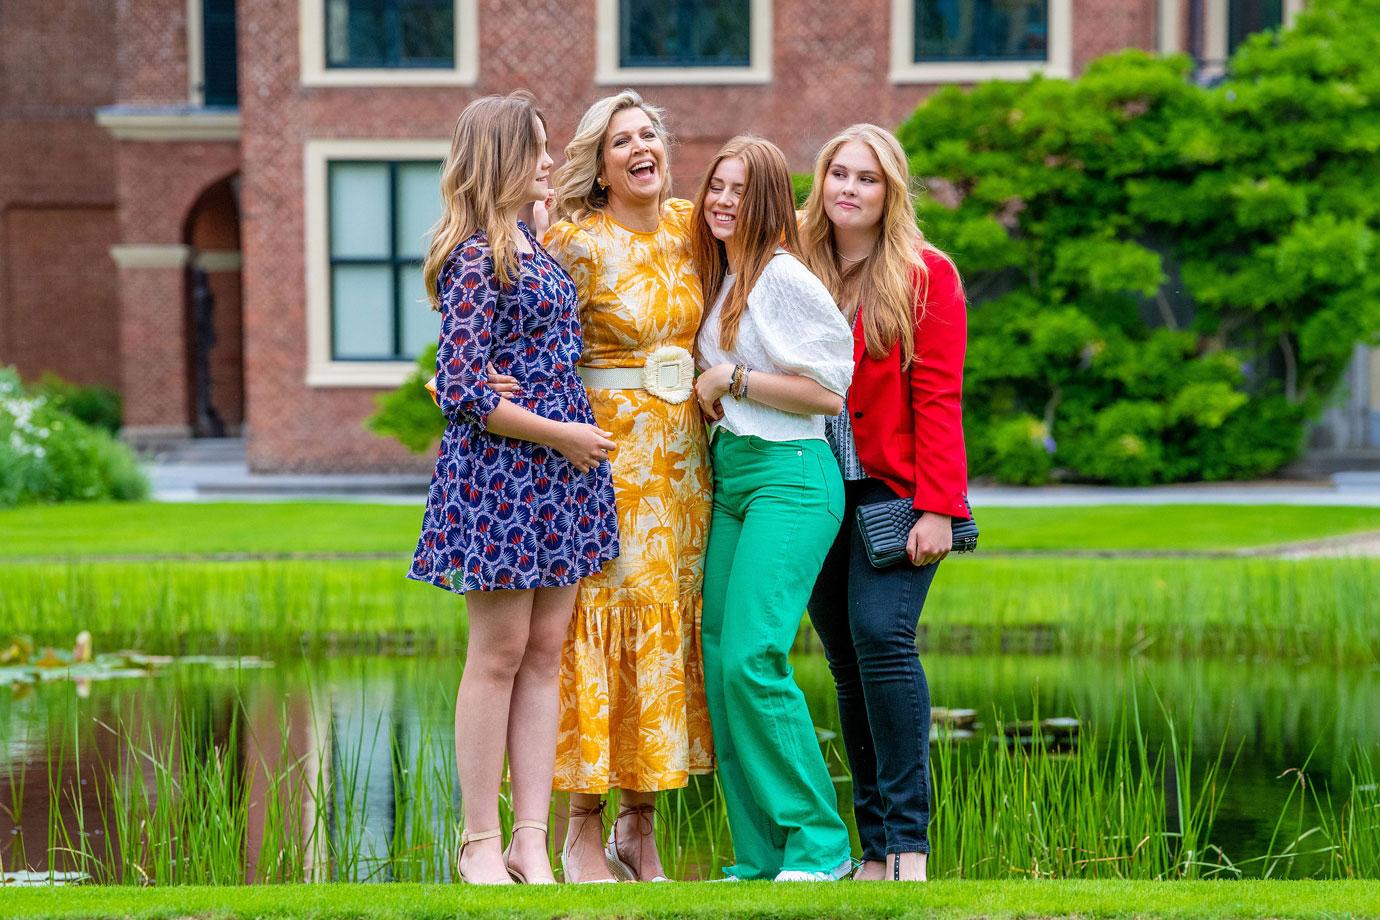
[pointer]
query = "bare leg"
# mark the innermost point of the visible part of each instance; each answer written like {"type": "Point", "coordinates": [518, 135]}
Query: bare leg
{"type": "Point", "coordinates": [635, 833]}
{"type": "Point", "coordinates": [532, 722]}
{"type": "Point", "coordinates": [913, 866]}
{"type": "Point", "coordinates": [872, 870]}
{"type": "Point", "coordinates": [498, 628]}
{"type": "Point", "coordinates": [584, 842]}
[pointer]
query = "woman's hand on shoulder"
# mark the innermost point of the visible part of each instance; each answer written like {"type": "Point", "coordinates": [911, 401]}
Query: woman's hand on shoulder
{"type": "Point", "coordinates": [710, 388]}
{"type": "Point", "coordinates": [930, 539]}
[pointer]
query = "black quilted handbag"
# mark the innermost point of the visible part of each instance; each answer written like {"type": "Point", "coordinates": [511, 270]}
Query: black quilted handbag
{"type": "Point", "coordinates": [885, 526]}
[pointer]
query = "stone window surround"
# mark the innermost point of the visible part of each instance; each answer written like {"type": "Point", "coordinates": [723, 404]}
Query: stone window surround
{"type": "Point", "coordinates": [322, 370]}
{"type": "Point", "coordinates": [312, 48]}
{"type": "Point", "coordinates": [175, 255]}
{"type": "Point", "coordinates": [904, 68]}
{"type": "Point", "coordinates": [196, 63]}
{"type": "Point", "coordinates": [609, 72]}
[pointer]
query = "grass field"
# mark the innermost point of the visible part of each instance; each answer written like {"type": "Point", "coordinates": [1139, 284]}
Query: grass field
{"type": "Point", "coordinates": [845, 900]}
{"type": "Point", "coordinates": [68, 531]}
{"type": "Point", "coordinates": [1320, 609]}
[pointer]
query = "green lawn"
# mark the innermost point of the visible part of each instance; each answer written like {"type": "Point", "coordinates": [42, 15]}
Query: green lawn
{"type": "Point", "coordinates": [67, 531]}
{"type": "Point", "coordinates": [1322, 609]}
{"type": "Point", "coordinates": [756, 899]}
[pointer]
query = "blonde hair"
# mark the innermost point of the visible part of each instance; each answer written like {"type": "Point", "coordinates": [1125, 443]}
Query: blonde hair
{"type": "Point", "coordinates": [578, 194]}
{"type": "Point", "coordinates": [886, 280]}
{"type": "Point", "coordinates": [484, 182]}
{"type": "Point", "coordinates": [766, 219]}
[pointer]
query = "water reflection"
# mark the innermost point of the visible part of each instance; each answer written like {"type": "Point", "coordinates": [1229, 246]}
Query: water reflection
{"type": "Point", "coordinates": [370, 741]}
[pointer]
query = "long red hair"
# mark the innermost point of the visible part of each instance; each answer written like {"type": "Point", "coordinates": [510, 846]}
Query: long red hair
{"type": "Point", "coordinates": [766, 219]}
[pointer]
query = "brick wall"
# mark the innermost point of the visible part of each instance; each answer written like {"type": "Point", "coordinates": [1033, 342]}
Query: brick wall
{"type": "Point", "coordinates": [58, 299]}
{"type": "Point", "coordinates": [1103, 26]}
{"type": "Point", "coordinates": [151, 62]}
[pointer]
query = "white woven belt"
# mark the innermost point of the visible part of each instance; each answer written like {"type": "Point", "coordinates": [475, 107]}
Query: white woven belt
{"type": "Point", "coordinates": [668, 374]}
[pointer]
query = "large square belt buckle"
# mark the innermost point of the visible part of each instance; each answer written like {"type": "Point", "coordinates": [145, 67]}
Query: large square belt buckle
{"type": "Point", "coordinates": [669, 374]}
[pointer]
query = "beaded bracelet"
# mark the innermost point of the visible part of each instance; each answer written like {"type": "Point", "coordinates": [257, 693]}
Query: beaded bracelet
{"type": "Point", "coordinates": [735, 381]}
{"type": "Point", "coordinates": [742, 388]}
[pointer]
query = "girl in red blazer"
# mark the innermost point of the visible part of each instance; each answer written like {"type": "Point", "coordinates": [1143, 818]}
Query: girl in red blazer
{"type": "Point", "coordinates": [900, 434]}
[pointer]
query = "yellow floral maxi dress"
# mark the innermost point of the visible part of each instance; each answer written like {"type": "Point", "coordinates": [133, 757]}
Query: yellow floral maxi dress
{"type": "Point", "coordinates": [633, 714]}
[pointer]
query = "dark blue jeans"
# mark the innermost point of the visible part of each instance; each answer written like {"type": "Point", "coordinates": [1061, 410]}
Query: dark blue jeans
{"type": "Point", "coordinates": [866, 619]}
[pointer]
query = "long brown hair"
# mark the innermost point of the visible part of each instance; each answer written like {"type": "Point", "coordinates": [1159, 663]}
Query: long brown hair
{"type": "Point", "coordinates": [885, 282]}
{"type": "Point", "coordinates": [484, 182]}
{"type": "Point", "coordinates": [766, 219]}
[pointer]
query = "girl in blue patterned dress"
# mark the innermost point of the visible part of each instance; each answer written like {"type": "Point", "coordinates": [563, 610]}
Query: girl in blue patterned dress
{"type": "Point", "coordinates": [521, 501]}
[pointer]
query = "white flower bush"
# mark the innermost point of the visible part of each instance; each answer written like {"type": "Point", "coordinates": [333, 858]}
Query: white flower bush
{"type": "Point", "coordinates": [47, 455]}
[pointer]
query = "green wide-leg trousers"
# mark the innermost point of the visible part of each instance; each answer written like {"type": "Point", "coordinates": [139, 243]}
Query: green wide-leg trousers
{"type": "Point", "coordinates": [777, 509]}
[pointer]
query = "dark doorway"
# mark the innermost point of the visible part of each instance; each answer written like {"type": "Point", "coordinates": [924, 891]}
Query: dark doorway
{"type": "Point", "coordinates": [214, 318]}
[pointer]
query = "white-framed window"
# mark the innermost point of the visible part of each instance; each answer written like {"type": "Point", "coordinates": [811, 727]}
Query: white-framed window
{"type": "Point", "coordinates": [662, 42]}
{"type": "Point", "coordinates": [389, 42]}
{"type": "Point", "coordinates": [369, 207]}
{"type": "Point", "coordinates": [964, 41]}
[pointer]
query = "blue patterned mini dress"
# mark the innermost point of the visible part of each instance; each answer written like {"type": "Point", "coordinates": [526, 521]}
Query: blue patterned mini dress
{"type": "Point", "coordinates": [504, 513]}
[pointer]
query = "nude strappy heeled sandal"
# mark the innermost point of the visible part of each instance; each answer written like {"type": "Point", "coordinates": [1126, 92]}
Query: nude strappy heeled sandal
{"type": "Point", "coordinates": [583, 814]}
{"type": "Point", "coordinates": [515, 873]}
{"type": "Point", "coordinates": [466, 838]}
{"type": "Point", "coordinates": [645, 814]}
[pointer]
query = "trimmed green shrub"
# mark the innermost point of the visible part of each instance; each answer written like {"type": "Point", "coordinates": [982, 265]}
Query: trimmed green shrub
{"type": "Point", "coordinates": [408, 414]}
{"type": "Point", "coordinates": [48, 455]}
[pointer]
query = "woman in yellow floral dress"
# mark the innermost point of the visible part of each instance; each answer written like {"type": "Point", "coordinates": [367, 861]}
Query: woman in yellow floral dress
{"type": "Point", "coordinates": [633, 713]}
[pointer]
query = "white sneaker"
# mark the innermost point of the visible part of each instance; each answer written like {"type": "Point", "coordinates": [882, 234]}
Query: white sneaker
{"type": "Point", "coordinates": [799, 875]}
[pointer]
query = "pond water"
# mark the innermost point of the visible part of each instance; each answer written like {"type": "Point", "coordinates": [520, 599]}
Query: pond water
{"type": "Point", "coordinates": [381, 729]}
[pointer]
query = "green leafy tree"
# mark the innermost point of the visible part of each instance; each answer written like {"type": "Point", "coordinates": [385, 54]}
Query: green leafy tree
{"type": "Point", "coordinates": [1165, 279]}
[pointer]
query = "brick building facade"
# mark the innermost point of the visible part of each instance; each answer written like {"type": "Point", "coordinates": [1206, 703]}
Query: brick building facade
{"type": "Point", "coordinates": [276, 158]}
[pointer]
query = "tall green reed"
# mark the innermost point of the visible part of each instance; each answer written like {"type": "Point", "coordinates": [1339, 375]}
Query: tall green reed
{"type": "Point", "coordinates": [195, 800]}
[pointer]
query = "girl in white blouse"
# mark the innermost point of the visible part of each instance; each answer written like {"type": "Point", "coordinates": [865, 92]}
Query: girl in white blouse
{"type": "Point", "coordinates": [777, 358]}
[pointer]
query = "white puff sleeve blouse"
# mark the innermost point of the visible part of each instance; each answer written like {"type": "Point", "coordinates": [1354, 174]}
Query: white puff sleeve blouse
{"type": "Point", "coordinates": [791, 326]}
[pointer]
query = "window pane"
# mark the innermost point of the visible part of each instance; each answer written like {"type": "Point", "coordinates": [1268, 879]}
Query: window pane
{"type": "Point", "coordinates": [685, 33]}
{"type": "Point", "coordinates": [419, 206]}
{"type": "Point", "coordinates": [426, 33]}
{"type": "Point", "coordinates": [359, 211]}
{"type": "Point", "coordinates": [420, 323]}
{"type": "Point", "coordinates": [355, 33]}
{"type": "Point", "coordinates": [1246, 17]}
{"type": "Point", "coordinates": [362, 311]}
{"type": "Point", "coordinates": [981, 30]}
{"type": "Point", "coordinates": [390, 33]}
{"type": "Point", "coordinates": [219, 86]}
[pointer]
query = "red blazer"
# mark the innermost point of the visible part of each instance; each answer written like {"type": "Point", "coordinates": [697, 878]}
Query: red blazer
{"type": "Point", "coordinates": [909, 426]}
